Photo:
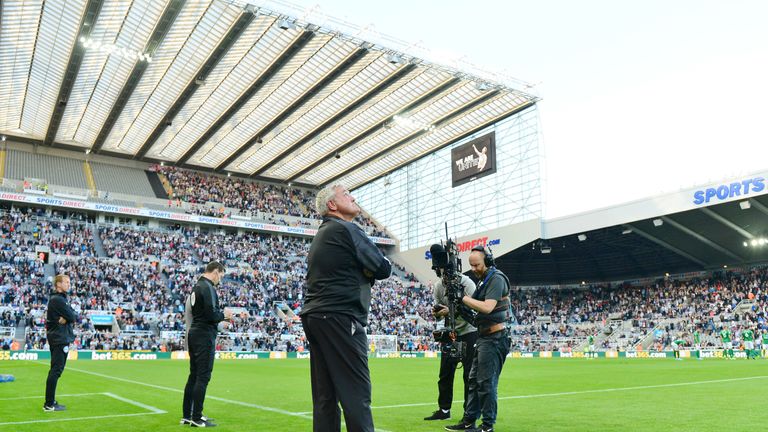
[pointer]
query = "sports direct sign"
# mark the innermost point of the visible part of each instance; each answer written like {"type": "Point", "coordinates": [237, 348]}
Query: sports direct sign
{"type": "Point", "coordinates": [467, 246]}
{"type": "Point", "coordinates": [167, 215]}
{"type": "Point", "coordinates": [724, 192]}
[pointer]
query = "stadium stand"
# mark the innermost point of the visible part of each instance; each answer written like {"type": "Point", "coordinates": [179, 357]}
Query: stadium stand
{"type": "Point", "coordinates": [55, 170]}
{"type": "Point", "coordinates": [146, 297]}
{"type": "Point", "coordinates": [248, 196]}
{"type": "Point", "coordinates": [142, 275]}
{"type": "Point", "coordinates": [122, 180]}
{"type": "Point", "coordinates": [166, 188]}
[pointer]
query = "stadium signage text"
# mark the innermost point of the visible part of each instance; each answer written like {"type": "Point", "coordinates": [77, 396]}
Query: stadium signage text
{"type": "Point", "coordinates": [468, 245]}
{"type": "Point", "coordinates": [122, 355]}
{"type": "Point", "coordinates": [159, 214]}
{"type": "Point", "coordinates": [726, 191]}
{"type": "Point", "coordinates": [247, 356]}
{"type": "Point", "coordinates": [7, 355]}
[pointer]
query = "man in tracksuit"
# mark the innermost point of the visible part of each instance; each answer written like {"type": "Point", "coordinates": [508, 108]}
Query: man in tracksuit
{"type": "Point", "coordinates": [59, 323]}
{"type": "Point", "coordinates": [201, 338]}
{"type": "Point", "coordinates": [343, 264]}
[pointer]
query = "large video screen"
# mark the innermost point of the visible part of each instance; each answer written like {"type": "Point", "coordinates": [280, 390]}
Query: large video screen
{"type": "Point", "coordinates": [474, 159]}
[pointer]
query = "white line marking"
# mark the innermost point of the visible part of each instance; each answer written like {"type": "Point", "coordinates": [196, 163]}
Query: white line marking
{"type": "Point", "coordinates": [43, 396]}
{"type": "Point", "coordinates": [152, 409]}
{"type": "Point", "coordinates": [230, 401]}
{"type": "Point", "coordinates": [76, 418]}
{"type": "Point", "coordinates": [175, 390]}
{"type": "Point", "coordinates": [608, 390]}
{"type": "Point", "coordinates": [135, 403]}
{"type": "Point", "coordinates": [682, 384]}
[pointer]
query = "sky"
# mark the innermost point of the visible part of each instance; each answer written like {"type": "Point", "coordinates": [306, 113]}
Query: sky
{"type": "Point", "coordinates": [638, 98]}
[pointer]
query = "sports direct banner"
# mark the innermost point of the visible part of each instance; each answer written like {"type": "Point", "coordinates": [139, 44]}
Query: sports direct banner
{"type": "Point", "coordinates": [167, 215]}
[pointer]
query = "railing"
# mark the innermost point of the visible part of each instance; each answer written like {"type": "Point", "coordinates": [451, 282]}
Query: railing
{"type": "Point", "coordinates": [7, 332]}
{"type": "Point", "coordinates": [136, 333]}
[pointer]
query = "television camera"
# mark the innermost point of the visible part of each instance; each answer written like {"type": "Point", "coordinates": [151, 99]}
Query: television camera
{"type": "Point", "coordinates": [447, 266]}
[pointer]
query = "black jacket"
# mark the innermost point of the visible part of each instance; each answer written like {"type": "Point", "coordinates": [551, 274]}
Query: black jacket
{"type": "Point", "coordinates": [58, 307]}
{"type": "Point", "coordinates": [206, 314]}
{"type": "Point", "coordinates": [336, 282]}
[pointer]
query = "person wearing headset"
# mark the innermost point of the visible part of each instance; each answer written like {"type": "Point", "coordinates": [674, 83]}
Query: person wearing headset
{"type": "Point", "coordinates": [491, 301]}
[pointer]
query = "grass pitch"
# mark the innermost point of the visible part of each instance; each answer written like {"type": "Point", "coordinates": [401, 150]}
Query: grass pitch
{"type": "Point", "coordinates": [274, 395]}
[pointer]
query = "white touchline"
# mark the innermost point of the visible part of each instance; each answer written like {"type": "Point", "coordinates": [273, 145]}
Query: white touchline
{"type": "Point", "coordinates": [152, 409]}
{"type": "Point", "coordinates": [43, 396]}
{"type": "Point", "coordinates": [618, 389]}
{"type": "Point", "coordinates": [234, 402]}
{"type": "Point", "coordinates": [689, 383]}
{"type": "Point", "coordinates": [135, 403]}
{"type": "Point", "coordinates": [230, 401]}
{"type": "Point", "coordinates": [78, 418]}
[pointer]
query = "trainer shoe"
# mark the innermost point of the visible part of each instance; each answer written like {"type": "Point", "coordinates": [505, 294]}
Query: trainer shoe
{"type": "Point", "coordinates": [185, 420]}
{"type": "Point", "coordinates": [54, 407]}
{"type": "Point", "coordinates": [202, 423]}
{"type": "Point", "coordinates": [440, 414]}
{"type": "Point", "coordinates": [461, 426]}
{"type": "Point", "coordinates": [486, 428]}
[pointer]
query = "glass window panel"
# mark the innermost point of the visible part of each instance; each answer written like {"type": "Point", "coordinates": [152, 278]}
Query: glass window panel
{"type": "Point", "coordinates": [20, 21]}
{"type": "Point", "coordinates": [194, 35]}
{"type": "Point", "coordinates": [266, 50]}
{"type": "Point", "coordinates": [235, 72]}
{"type": "Point", "coordinates": [102, 76]}
{"type": "Point", "coordinates": [427, 200]}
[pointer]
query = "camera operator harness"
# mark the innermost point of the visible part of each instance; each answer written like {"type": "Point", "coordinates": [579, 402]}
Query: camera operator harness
{"type": "Point", "coordinates": [447, 266]}
{"type": "Point", "coordinates": [501, 314]}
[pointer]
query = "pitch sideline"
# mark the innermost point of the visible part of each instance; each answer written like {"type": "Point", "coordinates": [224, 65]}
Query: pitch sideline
{"type": "Point", "coordinates": [230, 401]}
{"type": "Point", "coordinates": [152, 410]}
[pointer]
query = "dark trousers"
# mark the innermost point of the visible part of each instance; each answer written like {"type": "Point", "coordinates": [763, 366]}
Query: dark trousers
{"type": "Point", "coordinates": [448, 371]}
{"type": "Point", "coordinates": [490, 354]}
{"type": "Point", "coordinates": [202, 351]}
{"type": "Point", "coordinates": [58, 362]}
{"type": "Point", "coordinates": [339, 368]}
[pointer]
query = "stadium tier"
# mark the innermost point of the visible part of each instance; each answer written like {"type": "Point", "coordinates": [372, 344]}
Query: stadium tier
{"type": "Point", "coordinates": [130, 283]}
{"type": "Point", "coordinates": [163, 188]}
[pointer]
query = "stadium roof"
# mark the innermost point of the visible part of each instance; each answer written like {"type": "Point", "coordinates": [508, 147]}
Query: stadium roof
{"type": "Point", "coordinates": [729, 234]}
{"type": "Point", "coordinates": [226, 87]}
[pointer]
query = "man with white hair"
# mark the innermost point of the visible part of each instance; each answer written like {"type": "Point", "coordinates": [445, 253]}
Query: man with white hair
{"type": "Point", "coordinates": [343, 264]}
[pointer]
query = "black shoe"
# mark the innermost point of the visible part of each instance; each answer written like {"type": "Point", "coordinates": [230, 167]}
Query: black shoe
{"type": "Point", "coordinates": [486, 428]}
{"type": "Point", "coordinates": [187, 420]}
{"type": "Point", "coordinates": [202, 423]}
{"type": "Point", "coordinates": [461, 426]}
{"type": "Point", "coordinates": [439, 415]}
{"type": "Point", "coordinates": [54, 407]}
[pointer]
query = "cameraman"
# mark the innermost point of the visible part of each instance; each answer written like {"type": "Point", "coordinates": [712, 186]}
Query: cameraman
{"type": "Point", "coordinates": [491, 301]}
{"type": "Point", "coordinates": [467, 334]}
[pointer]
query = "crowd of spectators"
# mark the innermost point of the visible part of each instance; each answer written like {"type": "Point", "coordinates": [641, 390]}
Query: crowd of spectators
{"type": "Point", "coordinates": [265, 283]}
{"type": "Point", "coordinates": [551, 319]}
{"type": "Point", "coordinates": [25, 229]}
{"type": "Point", "coordinates": [218, 196]}
{"type": "Point", "coordinates": [143, 245]}
{"type": "Point", "coordinates": [248, 196]}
